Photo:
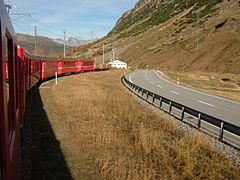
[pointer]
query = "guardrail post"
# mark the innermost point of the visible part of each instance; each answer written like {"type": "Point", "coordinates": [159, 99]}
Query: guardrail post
{"type": "Point", "coordinates": [130, 87]}
{"type": "Point", "coordinates": [199, 120]}
{"type": "Point", "coordinates": [135, 88]}
{"type": "Point", "coordinates": [221, 131]}
{"type": "Point", "coordinates": [160, 103]}
{"type": "Point", "coordinates": [182, 115]}
{"type": "Point", "coordinates": [170, 107]}
{"type": "Point", "coordinates": [193, 113]}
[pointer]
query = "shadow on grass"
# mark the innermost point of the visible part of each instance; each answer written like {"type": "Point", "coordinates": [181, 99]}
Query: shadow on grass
{"type": "Point", "coordinates": [42, 155]}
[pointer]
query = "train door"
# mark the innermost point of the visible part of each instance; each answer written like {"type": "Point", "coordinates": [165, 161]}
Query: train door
{"type": "Point", "coordinates": [59, 67]}
{"type": "Point", "coordinates": [9, 123]}
{"type": "Point", "coordinates": [9, 119]}
{"type": "Point", "coordinates": [1, 101]}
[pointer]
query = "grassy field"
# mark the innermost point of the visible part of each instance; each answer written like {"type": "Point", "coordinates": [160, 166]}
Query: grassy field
{"type": "Point", "coordinates": [105, 133]}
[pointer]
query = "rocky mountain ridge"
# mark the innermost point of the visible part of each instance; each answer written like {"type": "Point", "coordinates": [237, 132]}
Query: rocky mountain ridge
{"type": "Point", "coordinates": [140, 5]}
{"type": "Point", "coordinates": [47, 46]}
{"type": "Point", "coordinates": [71, 42]}
{"type": "Point", "coordinates": [176, 35]}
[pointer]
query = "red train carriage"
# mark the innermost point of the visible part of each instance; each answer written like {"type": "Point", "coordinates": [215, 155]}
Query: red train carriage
{"type": "Point", "coordinates": [49, 67]}
{"type": "Point", "coordinates": [86, 65]}
{"type": "Point", "coordinates": [18, 74]}
{"type": "Point", "coordinates": [9, 101]}
{"type": "Point", "coordinates": [22, 79]}
{"type": "Point", "coordinates": [66, 66]}
{"type": "Point", "coordinates": [35, 70]}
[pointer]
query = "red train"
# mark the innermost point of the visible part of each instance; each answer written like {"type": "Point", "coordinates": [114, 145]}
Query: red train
{"type": "Point", "coordinates": [20, 72]}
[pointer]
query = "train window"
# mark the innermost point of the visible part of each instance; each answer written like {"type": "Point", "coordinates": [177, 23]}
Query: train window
{"type": "Point", "coordinates": [9, 84]}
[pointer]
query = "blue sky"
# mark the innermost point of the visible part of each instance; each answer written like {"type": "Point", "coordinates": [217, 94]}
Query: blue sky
{"type": "Point", "coordinates": [80, 18]}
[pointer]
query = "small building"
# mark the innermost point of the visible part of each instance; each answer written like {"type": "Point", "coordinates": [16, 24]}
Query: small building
{"type": "Point", "coordinates": [118, 64]}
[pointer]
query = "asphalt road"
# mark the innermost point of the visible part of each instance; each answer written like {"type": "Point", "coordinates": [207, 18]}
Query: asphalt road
{"type": "Point", "coordinates": [218, 107]}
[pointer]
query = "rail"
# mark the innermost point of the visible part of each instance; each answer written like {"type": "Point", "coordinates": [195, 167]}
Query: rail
{"type": "Point", "coordinates": [200, 116]}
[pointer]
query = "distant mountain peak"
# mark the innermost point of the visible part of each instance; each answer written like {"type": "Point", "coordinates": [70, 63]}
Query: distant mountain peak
{"type": "Point", "coordinates": [72, 42]}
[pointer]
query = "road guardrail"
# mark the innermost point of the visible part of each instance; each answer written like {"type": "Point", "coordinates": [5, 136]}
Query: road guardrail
{"type": "Point", "coordinates": [222, 126]}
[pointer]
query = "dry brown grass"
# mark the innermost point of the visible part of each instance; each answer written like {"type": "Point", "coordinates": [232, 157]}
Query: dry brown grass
{"type": "Point", "coordinates": [198, 47]}
{"type": "Point", "coordinates": [105, 133]}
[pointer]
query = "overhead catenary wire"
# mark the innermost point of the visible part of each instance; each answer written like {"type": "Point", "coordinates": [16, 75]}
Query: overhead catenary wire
{"type": "Point", "coordinates": [24, 30]}
{"type": "Point", "coordinates": [41, 26]}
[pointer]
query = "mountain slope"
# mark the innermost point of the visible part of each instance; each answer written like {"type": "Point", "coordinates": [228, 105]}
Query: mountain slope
{"type": "Point", "coordinates": [179, 35]}
{"type": "Point", "coordinates": [45, 46]}
{"type": "Point", "coordinates": [72, 42]}
{"type": "Point", "coordinates": [148, 13]}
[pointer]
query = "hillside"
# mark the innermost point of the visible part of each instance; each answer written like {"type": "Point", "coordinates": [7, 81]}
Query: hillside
{"type": "Point", "coordinates": [179, 35]}
{"type": "Point", "coordinates": [72, 42]}
{"type": "Point", "coordinates": [45, 46]}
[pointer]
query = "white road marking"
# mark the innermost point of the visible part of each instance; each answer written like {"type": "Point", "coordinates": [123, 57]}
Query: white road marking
{"type": "Point", "coordinates": [159, 86]}
{"type": "Point", "coordinates": [205, 103]}
{"type": "Point", "coordinates": [130, 78]}
{"type": "Point", "coordinates": [196, 91]}
{"type": "Point", "coordinates": [146, 74]}
{"type": "Point", "coordinates": [174, 92]}
{"type": "Point", "coordinates": [151, 82]}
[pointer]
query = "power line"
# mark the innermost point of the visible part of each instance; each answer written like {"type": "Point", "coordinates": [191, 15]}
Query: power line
{"type": "Point", "coordinates": [41, 26]}
{"type": "Point", "coordinates": [20, 27]}
{"type": "Point", "coordinates": [21, 13]}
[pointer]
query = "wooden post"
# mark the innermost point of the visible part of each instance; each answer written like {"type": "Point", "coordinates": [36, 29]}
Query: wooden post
{"type": "Point", "coordinates": [170, 107]}
{"type": "Point", "coordinates": [56, 78]}
{"type": "Point", "coordinates": [199, 120]}
{"type": "Point", "coordinates": [221, 131]}
{"type": "Point", "coordinates": [160, 103]}
{"type": "Point", "coordinates": [182, 115]}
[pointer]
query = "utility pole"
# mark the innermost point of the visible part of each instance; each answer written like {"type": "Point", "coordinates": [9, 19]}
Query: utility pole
{"type": "Point", "coordinates": [110, 54]}
{"type": "Point", "coordinates": [103, 54]}
{"type": "Point", "coordinates": [64, 37]}
{"type": "Point", "coordinates": [198, 29]}
{"type": "Point", "coordinates": [9, 7]}
{"type": "Point", "coordinates": [35, 35]}
{"type": "Point", "coordinates": [113, 53]}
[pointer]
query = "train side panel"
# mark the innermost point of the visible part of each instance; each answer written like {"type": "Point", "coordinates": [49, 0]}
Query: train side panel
{"type": "Point", "coordinates": [21, 74]}
{"type": "Point", "coordinates": [87, 65]}
{"type": "Point", "coordinates": [9, 104]}
{"type": "Point", "coordinates": [35, 69]}
{"type": "Point", "coordinates": [67, 67]}
{"type": "Point", "coordinates": [48, 68]}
